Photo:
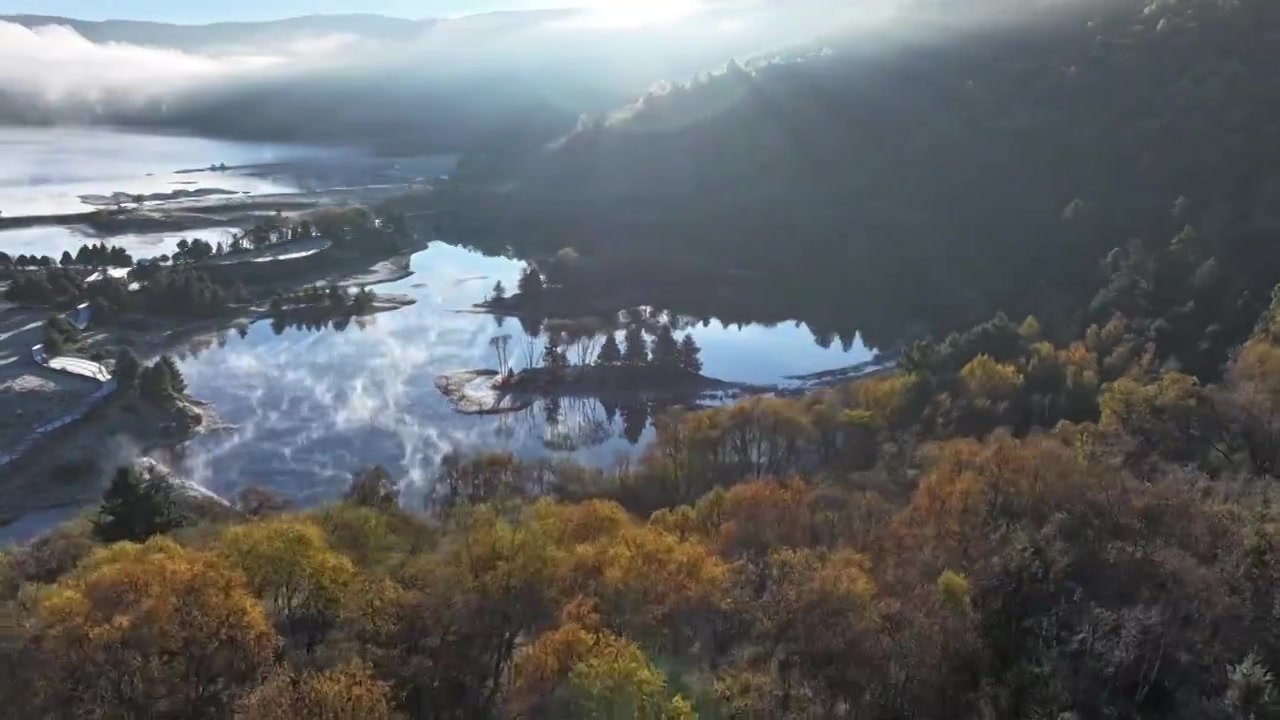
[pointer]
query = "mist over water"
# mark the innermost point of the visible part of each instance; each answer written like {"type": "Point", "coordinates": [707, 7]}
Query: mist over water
{"type": "Point", "coordinates": [465, 77]}
{"type": "Point", "coordinates": [48, 170]}
{"type": "Point", "coordinates": [312, 407]}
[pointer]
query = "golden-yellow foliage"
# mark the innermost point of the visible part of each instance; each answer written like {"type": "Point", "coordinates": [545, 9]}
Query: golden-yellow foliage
{"type": "Point", "coordinates": [150, 626]}
{"type": "Point", "coordinates": [361, 533]}
{"type": "Point", "coordinates": [577, 671]}
{"type": "Point", "coordinates": [1256, 373]}
{"type": "Point", "coordinates": [756, 517]}
{"type": "Point", "coordinates": [1030, 329]}
{"type": "Point", "coordinates": [953, 588]}
{"type": "Point", "coordinates": [346, 693]}
{"type": "Point", "coordinates": [289, 564]}
{"type": "Point", "coordinates": [986, 379]}
{"type": "Point", "coordinates": [888, 398]}
{"type": "Point", "coordinates": [1167, 416]}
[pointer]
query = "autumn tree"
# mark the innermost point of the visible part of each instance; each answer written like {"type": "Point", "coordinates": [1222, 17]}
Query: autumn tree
{"type": "Point", "coordinates": [582, 671]}
{"type": "Point", "coordinates": [649, 582]}
{"type": "Point", "coordinates": [814, 613]}
{"type": "Point", "coordinates": [490, 478]}
{"type": "Point", "coordinates": [1170, 416]}
{"type": "Point", "coordinates": [147, 630]}
{"type": "Point", "coordinates": [990, 395]}
{"type": "Point", "coordinates": [989, 381]}
{"type": "Point", "coordinates": [344, 693]}
{"type": "Point", "coordinates": [446, 633]}
{"type": "Point", "coordinates": [289, 565]}
{"type": "Point", "coordinates": [374, 488]}
{"type": "Point", "coordinates": [1250, 397]}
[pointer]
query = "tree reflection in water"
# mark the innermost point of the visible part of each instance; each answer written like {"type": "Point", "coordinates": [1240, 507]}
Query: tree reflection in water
{"type": "Point", "coordinates": [280, 323]}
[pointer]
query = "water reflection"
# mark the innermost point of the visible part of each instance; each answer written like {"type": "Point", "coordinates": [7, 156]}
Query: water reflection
{"type": "Point", "coordinates": [47, 170]}
{"type": "Point", "coordinates": [53, 241]}
{"type": "Point", "coordinates": [309, 405]}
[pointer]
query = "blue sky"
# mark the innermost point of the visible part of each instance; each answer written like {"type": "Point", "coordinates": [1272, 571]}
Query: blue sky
{"type": "Point", "coordinates": [195, 11]}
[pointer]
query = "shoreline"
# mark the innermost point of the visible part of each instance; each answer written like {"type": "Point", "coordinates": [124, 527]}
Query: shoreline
{"type": "Point", "coordinates": [474, 392]}
{"type": "Point", "coordinates": [199, 209]}
{"type": "Point", "coordinates": [58, 472]}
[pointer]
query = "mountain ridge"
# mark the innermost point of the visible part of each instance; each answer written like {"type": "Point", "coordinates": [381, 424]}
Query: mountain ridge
{"type": "Point", "coordinates": [207, 36]}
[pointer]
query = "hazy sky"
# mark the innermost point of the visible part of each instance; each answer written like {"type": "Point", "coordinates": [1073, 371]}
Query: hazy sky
{"type": "Point", "coordinates": [190, 11]}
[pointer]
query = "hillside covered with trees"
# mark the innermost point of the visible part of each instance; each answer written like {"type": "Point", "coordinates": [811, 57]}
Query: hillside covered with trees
{"type": "Point", "coordinates": [962, 172]}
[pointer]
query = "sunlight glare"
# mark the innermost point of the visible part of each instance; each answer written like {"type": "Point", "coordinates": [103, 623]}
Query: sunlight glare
{"type": "Point", "coordinates": [638, 13]}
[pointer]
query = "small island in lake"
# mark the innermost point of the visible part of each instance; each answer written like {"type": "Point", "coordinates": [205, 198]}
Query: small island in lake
{"type": "Point", "coordinates": [664, 371]}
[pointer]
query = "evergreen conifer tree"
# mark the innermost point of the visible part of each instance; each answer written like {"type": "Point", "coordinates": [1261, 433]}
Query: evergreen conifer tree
{"type": "Point", "coordinates": [690, 355]}
{"type": "Point", "coordinates": [635, 350]}
{"type": "Point", "coordinates": [134, 509]}
{"type": "Point", "coordinates": [666, 351]}
{"type": "Point", "coordinates": [610, 353]}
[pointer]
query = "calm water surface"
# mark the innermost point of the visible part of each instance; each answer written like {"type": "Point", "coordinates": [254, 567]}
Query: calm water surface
{"type": "Point", "coordinates": [310, 407]}
{"type": "Point", "coordinates": [45, 171]}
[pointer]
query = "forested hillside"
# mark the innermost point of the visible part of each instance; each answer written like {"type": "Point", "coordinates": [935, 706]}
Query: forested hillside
{"type": "Point", "coordinates": [932, 173]}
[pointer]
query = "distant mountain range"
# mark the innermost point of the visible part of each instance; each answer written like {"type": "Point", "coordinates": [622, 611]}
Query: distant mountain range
{"type": "Point", "coordinates": [496, 80]}
{"type": "Point", "coordinates": [214, 36]}
{"type": "Point", "coordinates": [195, 38]}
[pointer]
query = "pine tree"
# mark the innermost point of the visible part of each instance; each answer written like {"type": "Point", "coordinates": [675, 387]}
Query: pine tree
{"type": "Point", "coordinates": [177, 383]}
{"type": "Point", "coordinates": [499, 291]}
{"type": "Point", "coordinates": [133, 510]}
{"type": "Point", "coordinates": [67, 260]}
{"type": "Point", "coordinates": [155, 384]}
{"type": "Point", "coordinates": [690, 355]}
{"type": "Point", "coordinates": [666, 351]}
{"type": "Point", "coordinates": [530, 284]}
{"type": "Point", "coordinates": [127, 369]}
{"type": "Point", "coordinates": [553, 356]}
{"type": "Point", "coordinates": [610, 353]}
{"type": "Point", "coordinates": [53, 344]}
{"type": "Point", "coordinates": [635, 351]}
{"type": "Point", "coordinates": [362, 303]}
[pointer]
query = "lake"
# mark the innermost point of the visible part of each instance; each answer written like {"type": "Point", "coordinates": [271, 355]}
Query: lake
{"type": "Point", "coordinates": [311, 407]}
{"type": "Point", "coordinates": [46, 170]}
